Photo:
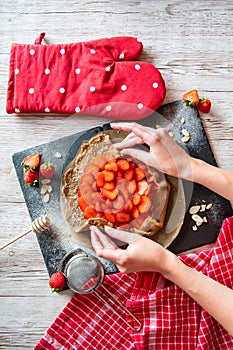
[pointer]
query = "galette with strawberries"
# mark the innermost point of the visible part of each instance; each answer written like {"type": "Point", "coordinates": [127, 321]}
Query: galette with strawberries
{"type": "Point", "coordinates": [102, 187]}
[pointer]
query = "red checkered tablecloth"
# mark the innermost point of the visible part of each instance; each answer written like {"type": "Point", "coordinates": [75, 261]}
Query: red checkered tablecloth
{"type": "Point", "coordinates": [170, 318]}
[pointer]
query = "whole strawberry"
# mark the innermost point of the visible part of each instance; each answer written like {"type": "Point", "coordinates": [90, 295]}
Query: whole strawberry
{"type": "Point", "coordinates": [204, 105]}
{"type": "Point", "coordinates": [57, 282]}
{"type": "Point", "coordinates": [31, 177]}
{"type": "Point", "coordinates": [47, 170]}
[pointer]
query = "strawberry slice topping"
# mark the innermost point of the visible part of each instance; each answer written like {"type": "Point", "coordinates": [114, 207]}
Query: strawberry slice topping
{"type": "Point", "coordinates": [115, 189]}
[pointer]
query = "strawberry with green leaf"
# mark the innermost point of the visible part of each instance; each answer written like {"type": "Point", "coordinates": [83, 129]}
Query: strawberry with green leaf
{"type": "Point", "coordinates": [32, 161]}
{"type": "Point", "coordinates": [31, 177]}
{"type": "Point", "coordinates": [57, 282]}
{"type": "Point", "coordinates": [47, 170]}
{"type": "Point", "coordinates": [191, 98]}
{"type": "Point", "coordinates": [31, 165]}
{"type": "Point", "coordinates": [204, 105]}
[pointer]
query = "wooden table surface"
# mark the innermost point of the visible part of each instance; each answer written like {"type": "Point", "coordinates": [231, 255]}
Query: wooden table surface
{"type": "Point", "coordinates": [190, 42]}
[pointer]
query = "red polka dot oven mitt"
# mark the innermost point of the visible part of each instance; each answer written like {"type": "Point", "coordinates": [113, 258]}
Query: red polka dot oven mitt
{"type": "Point", "coordinates": [98, 77]}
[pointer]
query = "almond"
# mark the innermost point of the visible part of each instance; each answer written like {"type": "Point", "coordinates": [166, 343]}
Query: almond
{"type": "Point", "coordinates": [194, 209]}
{"type": "Point", "coordinates": [46, 198]}
{"type": "Point", "coordinates": [182, 120]}
{"type": "Point", "coordinates": [50, 189]}
{"type": "Point", "coordinates": [45, 181]}
{"type": "Point", "coordinates": [44, 189]}
{"type": "Point", "coordinates": [185, 132]}
{"type": "Point", "coordinates": [185, 139]}
{"type": "Point", "coordinates": [197, 219]}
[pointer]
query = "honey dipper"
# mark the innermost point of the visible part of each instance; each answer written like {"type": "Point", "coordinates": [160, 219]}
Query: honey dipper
{"type": "Point", "coordinates": [38, 225]}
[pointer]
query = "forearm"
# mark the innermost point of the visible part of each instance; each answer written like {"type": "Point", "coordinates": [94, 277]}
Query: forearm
{"type": "Point", "coordinates": [214, 297]}
{"type": "Point", "coordinates": [143, 254]}
{"type": "Point", "coordinates": [214, 178]}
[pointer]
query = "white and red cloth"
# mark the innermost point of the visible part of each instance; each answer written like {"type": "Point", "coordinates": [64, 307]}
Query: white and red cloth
{"type": "Point", "coordinates": [171, 319]}
{"type": "Point", "coordinates": [98, 77]}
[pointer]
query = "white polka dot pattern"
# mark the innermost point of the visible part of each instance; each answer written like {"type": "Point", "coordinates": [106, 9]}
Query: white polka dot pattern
{"type": "Point", "coordinates": [72, 78]}
{"type": "Point", "coordinates": [140, 105]}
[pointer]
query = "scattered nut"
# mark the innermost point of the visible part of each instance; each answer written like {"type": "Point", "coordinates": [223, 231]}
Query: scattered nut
{"type": "Point", "coordinates": [46, 198]}
{"type": "Point", "coordinates": [58, 155]}
{"type": "Point", "coordinates": [170, 133]}
{"type": "Point", "coordinates": [199, 223]}
{"type": "Point", "coordinates": [197, 219]}
{"type": "Point", "coordinates": [185, 132]}
{"type": "Point", "coordinates": [194, 209]}
{"type": "Point", "coordinates": [50, 188]}
{"type": "Point", "coordinates": [203, 207]}
{"type": "Point", "coordinates": [182, 120]}
{"type": "Point", "coordinates": [158, 126]}
{"type": "Point", "coordinates": [45, 181]}
{"type": "Point", "coordinates": [185, 139]}
{"type": "Point", "coordinates": [44, 189]}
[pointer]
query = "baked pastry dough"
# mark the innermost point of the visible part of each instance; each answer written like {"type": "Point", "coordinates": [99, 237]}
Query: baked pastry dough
{"type": "Point", "coordinates": [147, 223]}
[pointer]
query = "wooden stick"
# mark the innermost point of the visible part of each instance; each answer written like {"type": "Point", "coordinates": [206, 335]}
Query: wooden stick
{"type": "Point", "coordinates": [14, 239]}
{"type": "Point", "coordinates": [38, 225]}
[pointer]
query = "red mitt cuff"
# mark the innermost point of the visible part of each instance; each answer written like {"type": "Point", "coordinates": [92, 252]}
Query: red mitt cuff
{"type": "Point", "coordinates": [96, 77]}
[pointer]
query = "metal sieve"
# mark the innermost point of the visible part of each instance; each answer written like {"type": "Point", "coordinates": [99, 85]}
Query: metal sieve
{"type": "Point", "coordinates": [84, 274]}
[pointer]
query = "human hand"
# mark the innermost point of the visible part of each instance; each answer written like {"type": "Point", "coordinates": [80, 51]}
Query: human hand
{"type": "Point", "coordinates": [141, 254]}
{"type": "Point", "coordinates": [164, 155]}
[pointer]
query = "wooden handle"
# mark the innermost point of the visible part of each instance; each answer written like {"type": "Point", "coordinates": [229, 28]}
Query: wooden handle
{"type": "Point", "coordinates": [14, 239]}
{"type": "Point", "coordinates": [40, 224]}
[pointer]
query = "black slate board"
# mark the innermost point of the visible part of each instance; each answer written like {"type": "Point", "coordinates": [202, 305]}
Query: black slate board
{"type": "Point", "coordinates": [57, 241]}
{"type": "Point", "coordinates": [198, 147]}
